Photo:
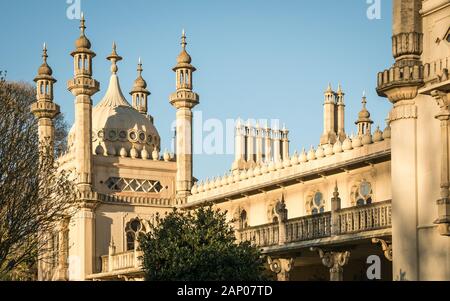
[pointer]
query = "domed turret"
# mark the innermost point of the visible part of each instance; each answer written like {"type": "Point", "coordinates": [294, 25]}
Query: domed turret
{"type": "Point", "coordinates": [364, 122]}
{"type": "Point", "coordinates": [139, 92]}
{"type": "Point", "coordinates": [82, 42]}
{"type": "Point", "coordinates": [116, 124]}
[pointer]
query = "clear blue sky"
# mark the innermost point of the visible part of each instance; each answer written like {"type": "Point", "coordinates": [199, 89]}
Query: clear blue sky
{"type": "Point", "coordinates": [255, 59]}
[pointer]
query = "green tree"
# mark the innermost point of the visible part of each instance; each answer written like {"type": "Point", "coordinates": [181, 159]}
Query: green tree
{"type": "Point", "coordinates": [35, 196]}
{"type": "Point", "coordinates": [198, 246]}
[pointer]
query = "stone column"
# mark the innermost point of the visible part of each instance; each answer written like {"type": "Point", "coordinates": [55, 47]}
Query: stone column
{"type": "Point", "coordinates": [281, 267]}
{"type": "Point", "coordinates": [335, 207]}
{"type": "Point", "coordinates": [63, 255]}
{"type": "Point", "coordinates": [335, 261]}
{"type": "Point", "coordinates": [400, 85]}
{"type": "Point", "coordinates": [86, 228]}
{"type": "Point", "coordinates": [184, 100]}
{"type": "Point", "coordinates": [111, 253]}
{"type": "Point", "coordinates": [184, 152]}
{"type": "Point", "coordinates": [282, 215]}
{"type": "Point", "coordinates": [443, 220]}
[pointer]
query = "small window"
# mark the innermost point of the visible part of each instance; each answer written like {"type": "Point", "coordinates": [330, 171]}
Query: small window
{"type": "Point", "coordinates": [133, 230]}
{"type": "Point", "coordinates": [363, 194]}
{"type": "Point", "coordinates": [316, 203]}
{"type": "Point", "coordinates": [243, 219]}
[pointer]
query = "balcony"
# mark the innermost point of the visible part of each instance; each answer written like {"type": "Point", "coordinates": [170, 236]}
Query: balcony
{"type": "Point", "coordinates": [341, 224]}
{"type": "Point", "coordinates": [126, 265]}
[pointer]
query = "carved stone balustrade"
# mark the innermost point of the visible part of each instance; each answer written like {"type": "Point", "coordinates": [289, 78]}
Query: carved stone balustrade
{"type": "Point", "coordinates": [121, 261]}
{"type": "Point", "coordinates": [351, 220]}
{"type": "Point", "coordinates": [308, 227]}
{"type": "Point", "coordinates": [364, 218]}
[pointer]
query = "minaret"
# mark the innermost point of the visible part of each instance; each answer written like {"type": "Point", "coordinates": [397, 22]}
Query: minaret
{"type": "Point", "coordinates": [329, 133]}
{"type": "Point", "coordinates": [44, 108]}
{"type": "Point", "coordinates": [340, 107]}
{"type": "Point", "coordinates": [184, 100]}
{"type": "Point", "coordinates": [364, 122]}
{"type": "Point", "coordinates": [139, 93]}
{"type": "Point", "coordinates": [83, 86]}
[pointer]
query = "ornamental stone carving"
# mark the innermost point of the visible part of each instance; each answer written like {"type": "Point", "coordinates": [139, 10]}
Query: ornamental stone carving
{"type": "Point", "coordinates": [386, 246]}
{"type": "Point", "coordinates": [335, 261]}
{"type": "Point", "coordinates": [281, 267]}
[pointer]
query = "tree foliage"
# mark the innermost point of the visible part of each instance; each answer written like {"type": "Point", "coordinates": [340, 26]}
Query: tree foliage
{"type": "Point", "coordinates": [34, 194]}
{"type": "Point", "coordinates": [198, 246]}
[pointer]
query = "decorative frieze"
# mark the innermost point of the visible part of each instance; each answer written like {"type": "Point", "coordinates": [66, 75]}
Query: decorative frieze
{"type": "Point", "coordinates": [403, 111]}
{"type": "Point", "coordinates": [407, 43]}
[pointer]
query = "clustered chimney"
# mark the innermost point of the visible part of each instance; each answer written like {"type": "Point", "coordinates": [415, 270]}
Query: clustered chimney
{"type": "Point", "coordinates": [255, 145]}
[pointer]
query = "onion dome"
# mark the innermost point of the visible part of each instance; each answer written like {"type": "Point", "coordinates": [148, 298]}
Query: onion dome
{"type": "Point", "coordinates": [44, 71]}
{"type": "Point", "coordinates": [117, 124]}
{"type": "Point", "coordinates": [184, 59]}
{"type": "Point", "coordinates": [364, 115]}
{"type": "Point", "coordinates": [140, 85]}
{"type": "Point", "coordinates": [82, 42]}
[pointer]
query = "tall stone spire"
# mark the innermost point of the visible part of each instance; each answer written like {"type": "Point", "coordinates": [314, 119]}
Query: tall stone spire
{"type": "Point", "coordinates": [184, 100]}
{"type": "Point", "coordinates": [139, 93]}
{"type": "Point", "coordinates": [44, 108]}
{"type": "Point", "coordinates": [364, 122]}
{"type": "Point", "coordinates": [83, 86]}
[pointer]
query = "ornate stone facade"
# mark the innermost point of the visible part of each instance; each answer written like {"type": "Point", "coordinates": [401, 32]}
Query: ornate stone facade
{"type": "Point", "coordinates": [382, 192]}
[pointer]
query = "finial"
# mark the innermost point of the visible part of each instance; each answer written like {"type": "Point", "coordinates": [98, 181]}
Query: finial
{"type": "Point", "coordinates": [44, 53]}
{"type": "Point", "coordinates": [82, 23]}
{"type": "Point", "coordinates": [364, 99]}
{"type": "Point", "coordinates": [139, 69]}
{"type": "Point", "coordinates": [114, 58]}
{"type": "Point", "coordinates": [183, 39]}
{"type": "Point", "coordinates": [336, 191]}
{"type": "Point", "coordinates": [339, 91]}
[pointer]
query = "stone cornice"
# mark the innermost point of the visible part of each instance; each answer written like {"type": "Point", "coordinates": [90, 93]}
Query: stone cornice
{"type": "Point", "coordinates": [352, 159]}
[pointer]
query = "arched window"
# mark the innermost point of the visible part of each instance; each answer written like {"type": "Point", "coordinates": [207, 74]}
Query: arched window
{"type": "Point", "coordinates": [243, 219]}
{"type": "Point", "coordinates": [315, 203]}
{"type": "Point", "coordinates": [133, 230]}
{"type": "Point", "coordinates": [363, 194]}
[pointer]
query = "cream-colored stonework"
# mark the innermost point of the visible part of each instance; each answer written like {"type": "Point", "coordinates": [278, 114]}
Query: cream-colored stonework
{"type": "Point", "coordinates": [318, 213]}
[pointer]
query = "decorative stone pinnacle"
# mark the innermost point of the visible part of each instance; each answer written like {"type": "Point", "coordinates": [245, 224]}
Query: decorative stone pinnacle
{"type": "Point", "coordinates": [364, 100]}
{"type": "Point", "coordinates": [183, 39]}
{"type": "Point", "coordinates": [336, 191]}
{"type": "Point", "coordinates": [114, 58]}
{"type": "Point", "coordinates": [82, 24]}
{"type": "Point", "coordinates": [44, 53]}
{"type": "Point", "coordinates": [139, 69]}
